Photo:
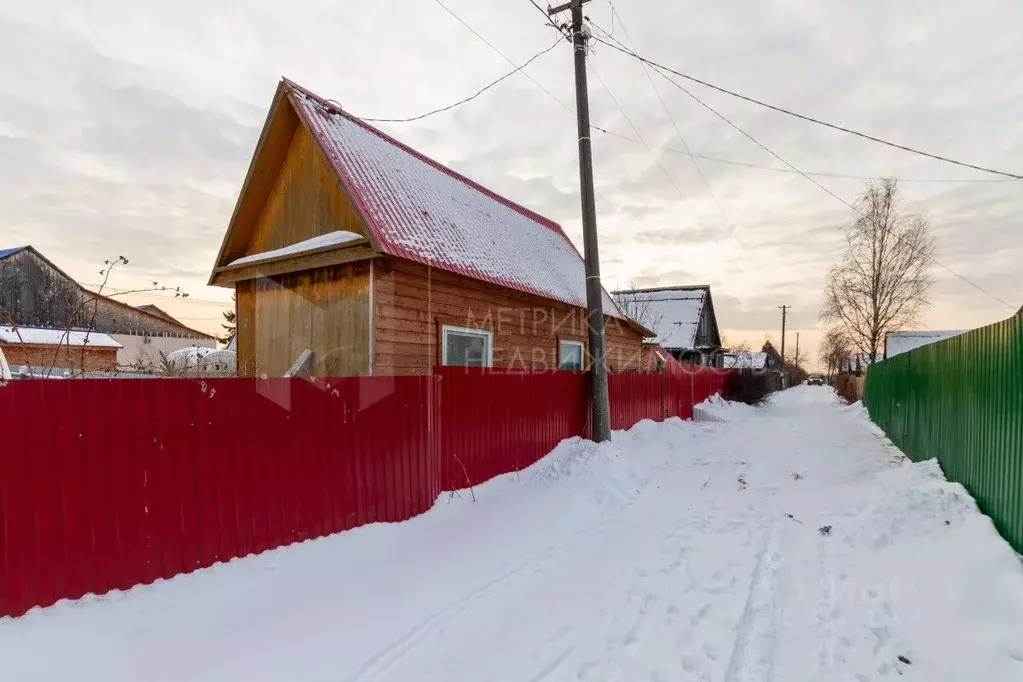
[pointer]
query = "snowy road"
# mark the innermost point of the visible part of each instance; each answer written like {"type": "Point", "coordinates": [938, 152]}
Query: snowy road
{"type": "Point", "coordinates": [786, 543]}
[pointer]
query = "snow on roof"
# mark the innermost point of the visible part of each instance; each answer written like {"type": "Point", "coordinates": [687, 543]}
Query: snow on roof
{"type": "Point", "coordinates": [897, 343]}
{"type": "Point", "coordinates": [322, 241]}
{"type": "Point", "coordinates": [745, 360]}
{"type": "Point", "coordinates": [4, 253]}
{"type": "Point", "coordinates": [420, 210]}
{"type": "Point", "coordinates": [673, 314]}
{"type": "Point", "coordinates": [51, 337]}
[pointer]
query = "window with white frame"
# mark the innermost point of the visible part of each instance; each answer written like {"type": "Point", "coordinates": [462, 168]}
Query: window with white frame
{"type": "Point", "coordinates": [466, 347]}
{"type": "Point", "coordinates": [570, 355]}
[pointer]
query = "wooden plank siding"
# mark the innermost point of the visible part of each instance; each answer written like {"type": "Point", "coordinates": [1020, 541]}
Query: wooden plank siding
{"type": "Point", "coordinates": [325, 310]}
{"type": "Point", "coordinates": [304, 202]}
{"type": "Point", "coordinates": [412, 302]}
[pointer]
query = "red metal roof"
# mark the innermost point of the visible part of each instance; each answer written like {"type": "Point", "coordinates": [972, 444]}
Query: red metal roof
{"type": "Point", "coordinates": [423, 211]}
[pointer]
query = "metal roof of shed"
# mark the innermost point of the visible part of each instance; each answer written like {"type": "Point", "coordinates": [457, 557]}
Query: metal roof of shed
{"type": "Point", "coordinates": [423, 211]}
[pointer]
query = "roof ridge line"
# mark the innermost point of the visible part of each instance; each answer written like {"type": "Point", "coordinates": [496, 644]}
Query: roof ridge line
{"type": "Point", "coordinates": [677, 287]}
{"type": "Point", "coordinates": [426, 159]}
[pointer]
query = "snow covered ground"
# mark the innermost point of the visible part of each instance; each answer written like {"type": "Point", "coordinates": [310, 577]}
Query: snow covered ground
{"type": "Point", "coordinates": [782, 543]}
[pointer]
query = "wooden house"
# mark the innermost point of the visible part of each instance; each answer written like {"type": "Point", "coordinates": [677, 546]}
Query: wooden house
{"type": "Point", "coordinates": [347, 243]}
{"type": "Point", "coordinates": [36, 293]}
{"type": "Point", "coordinates": [682, 319]}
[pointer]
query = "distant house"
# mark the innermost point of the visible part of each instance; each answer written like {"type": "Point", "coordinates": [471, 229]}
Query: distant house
{"type": "Point", "coordinates": [744, 360]}
{"type": "Point", "coordinates": [347, 243]}
{"type": "Point", "coordinates": [34, 347]}
{"type": "Point", "coordinates": [896, 343]}
{"type": "Point", "coordinates": [682, 319]}
{"type": "Point", "coordinates": [36, 293]}
{"type": "Point", "coordinates": [774, 359]}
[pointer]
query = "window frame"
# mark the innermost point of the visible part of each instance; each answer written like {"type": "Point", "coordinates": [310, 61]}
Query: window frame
{"type": "Point", "coordinates": [485, 334]}
{"type": "Point", "coordinates": [582, 354]}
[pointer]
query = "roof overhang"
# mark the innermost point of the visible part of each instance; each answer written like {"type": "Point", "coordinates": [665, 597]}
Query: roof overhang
{"type": "Point", "coordinates": [637, 327]}
{"type": "Point", "coordinates": [350, 252]}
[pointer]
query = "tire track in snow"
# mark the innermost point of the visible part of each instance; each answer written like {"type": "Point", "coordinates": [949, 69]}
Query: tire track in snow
{"type": "Point", "coordinates": [752, 658]}
{"type": "Point", "coordinates": [384, 659]}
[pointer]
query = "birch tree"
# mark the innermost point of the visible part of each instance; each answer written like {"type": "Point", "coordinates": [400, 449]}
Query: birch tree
{"type": "Point", "coordinates": [881, 281]}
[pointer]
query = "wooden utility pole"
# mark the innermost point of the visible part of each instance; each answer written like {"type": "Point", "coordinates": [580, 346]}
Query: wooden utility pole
{"type": "Point", "coordinates": [795, 360]}
{"type": "Point", "coordinates": [601, 411]}
{"type": "Point", "coordinates": [784, 313]}
{"type": "Point", "coordinates": [784, 373]}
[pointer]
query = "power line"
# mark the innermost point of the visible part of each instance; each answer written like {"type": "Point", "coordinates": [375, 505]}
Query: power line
{"type": "Point", "coordinates": [657, 68]}
{"type": "Point", "coordinates": [470, 97]}
{"type": "Point", "coordinates": [804, 117]}
{"type": "Point", "coordinates": [747, 135]}
{"type": "Point", "coordinates": [858, 212]}
{"type": "Point", "coordinates": [502, 54]}
{"type": "Point", "coordinates": [636, 130]}
{"type": "Point", "coordinates": [672, 150]}
{"type": "Point", "coordinates": [667, 112]}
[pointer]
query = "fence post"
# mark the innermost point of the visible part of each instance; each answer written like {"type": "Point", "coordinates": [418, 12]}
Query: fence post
{"type": "Point", "coordinates": [664, 398]}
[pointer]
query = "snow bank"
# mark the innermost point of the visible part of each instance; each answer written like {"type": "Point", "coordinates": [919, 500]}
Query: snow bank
{"type": "Point", "coordinates": [717, 409]}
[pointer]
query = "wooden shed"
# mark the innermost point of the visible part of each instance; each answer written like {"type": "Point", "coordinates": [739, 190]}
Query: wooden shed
{"type": "Point", "coordinates": [379, 260]}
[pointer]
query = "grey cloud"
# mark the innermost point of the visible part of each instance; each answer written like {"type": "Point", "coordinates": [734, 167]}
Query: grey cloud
{"type": "Point", "coordinates": [106, 140]}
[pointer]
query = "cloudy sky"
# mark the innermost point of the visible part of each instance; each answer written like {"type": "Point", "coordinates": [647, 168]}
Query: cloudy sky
{"type": "Point", "coordinates": [127, 127]}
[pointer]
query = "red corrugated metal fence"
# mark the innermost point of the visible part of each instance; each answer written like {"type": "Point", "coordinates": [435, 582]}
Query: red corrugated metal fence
{"type": "Point", "coordinates": [105, 484]}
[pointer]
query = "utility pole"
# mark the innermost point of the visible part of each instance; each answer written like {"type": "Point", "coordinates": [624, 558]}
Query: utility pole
{"type": "Point", "coordinates": [784, 312]}
{"type": "Point", "coordinates": [795, 360]}
{"type": "Point", "coordinates": [784, 374]}
{"type": "Point", "coordinates": [601, 411]}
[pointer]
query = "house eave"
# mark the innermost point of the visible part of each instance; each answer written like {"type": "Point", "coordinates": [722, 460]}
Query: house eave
{"type": "Point", "coordinates": [351, 252]}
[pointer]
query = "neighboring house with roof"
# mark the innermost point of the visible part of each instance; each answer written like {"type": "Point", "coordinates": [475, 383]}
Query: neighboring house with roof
{"type": "Point", "coordinates": [379, 260]}
{"type": "Point", "coordinates": [36, 293]}
{"type": "Point", "coordinates": [897, 343]}
{"type": "Point", "coordinates": [682, 318]}
{"type": "Point", "coordinates": [56, 348]}
{"type": "Point", "coordinates": [744, 359]}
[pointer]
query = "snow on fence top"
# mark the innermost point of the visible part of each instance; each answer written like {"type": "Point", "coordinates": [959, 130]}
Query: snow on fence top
{"type": "Point", "coordinates": [298, 248]}
{"type": "Point", "coordinates": [38, 336]}
{"type": "Point", "coordinates": [418, 209]}
{"type": "Point", "coordinates": [897, 343]}
{"type": "Point", "coordinates": [673, 313]}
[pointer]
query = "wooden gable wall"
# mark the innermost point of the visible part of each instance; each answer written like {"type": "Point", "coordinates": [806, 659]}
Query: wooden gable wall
{"type": "Point", "coordinates": [304, 202]}
{"type": "Point", "coordinates": [323, 309]}
{"type": "Point", "coordinates": [707, 332]}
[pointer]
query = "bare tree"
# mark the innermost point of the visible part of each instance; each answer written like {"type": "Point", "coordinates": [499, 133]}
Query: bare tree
{"type": "Point", "coordinates": [734, 345]}
{"type": "Point", "coordinates": [834, 349]}
{"type": "Point", "coordinates": [881, 280]}
{"type": "Point", "coordinates": [639, 309]}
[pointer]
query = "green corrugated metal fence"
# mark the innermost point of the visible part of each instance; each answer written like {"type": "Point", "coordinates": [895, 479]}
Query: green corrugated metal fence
{"type": "Point", "coordinates": [961, 400]}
